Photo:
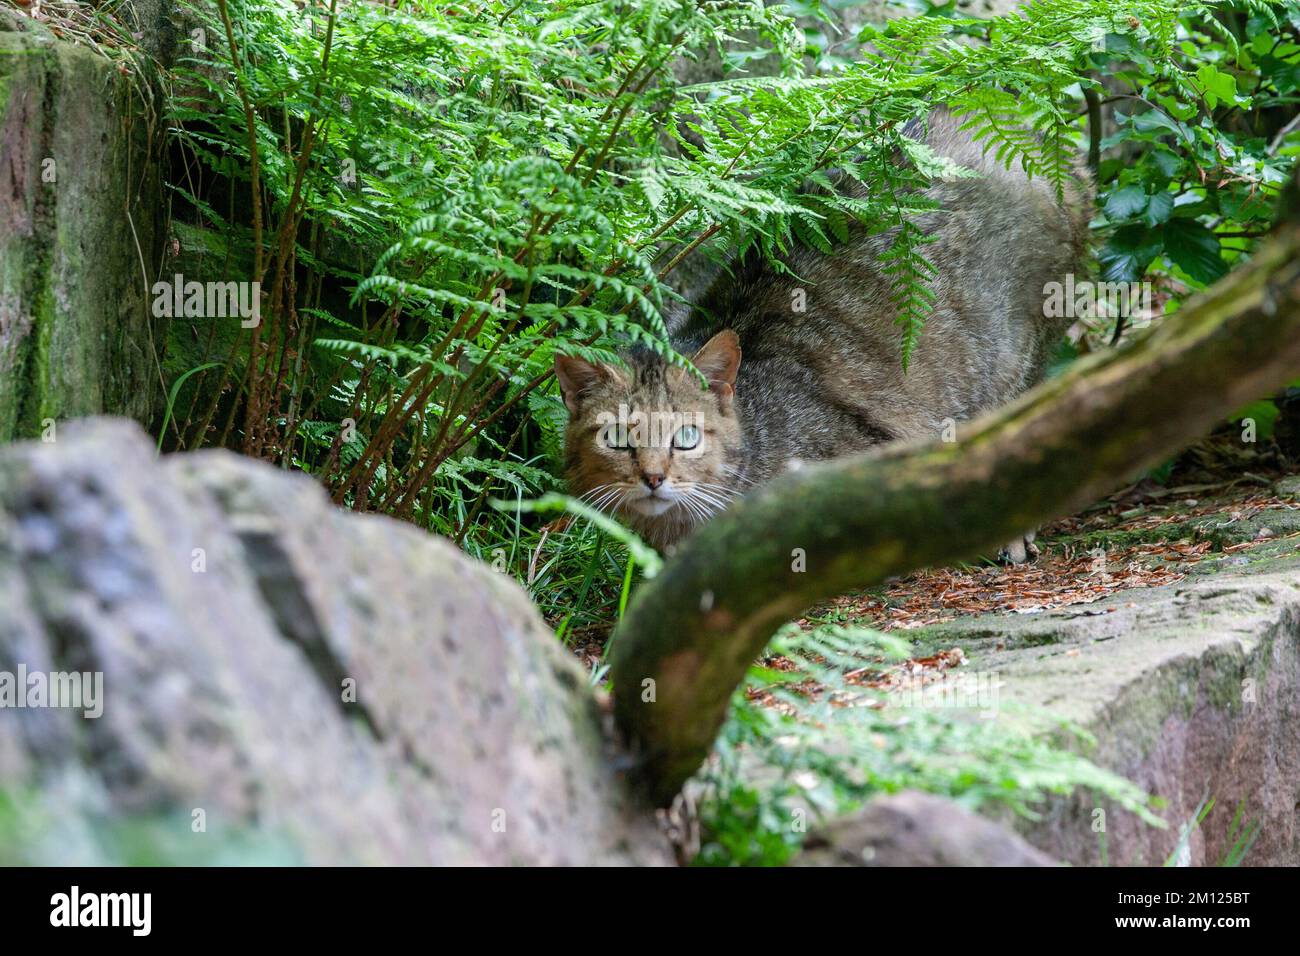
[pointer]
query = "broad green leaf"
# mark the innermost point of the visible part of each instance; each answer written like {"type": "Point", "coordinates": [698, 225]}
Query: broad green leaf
{"type": "Point", "coordinates": [1125, 203]}
{"type": "Point", "coordinates": [1194, 249]}
{"type": "Point", "coordinates": [1128, 253]}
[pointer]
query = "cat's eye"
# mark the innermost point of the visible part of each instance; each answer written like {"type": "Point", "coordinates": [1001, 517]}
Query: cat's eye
{"type": "Point", "coordinates": [687, 437]}
{"type": "Point", "coordinates": [614, 436]}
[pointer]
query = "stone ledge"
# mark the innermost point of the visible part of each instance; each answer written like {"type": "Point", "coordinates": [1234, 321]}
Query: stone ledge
{"type": "Point", "coordinates": [1191, 690]}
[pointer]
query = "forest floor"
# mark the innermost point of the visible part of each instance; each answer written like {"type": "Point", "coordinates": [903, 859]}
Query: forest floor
{"type": "Point", "coordinates": [1085, 558]}
{"type": "Point", "coordinates": [1219, 507]}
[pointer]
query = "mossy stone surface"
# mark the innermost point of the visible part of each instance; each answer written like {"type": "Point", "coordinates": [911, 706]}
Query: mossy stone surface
{"type": "Point", "coordinates": [1191, 690]}
{"type": "Point", "coordinates": [81, 235]}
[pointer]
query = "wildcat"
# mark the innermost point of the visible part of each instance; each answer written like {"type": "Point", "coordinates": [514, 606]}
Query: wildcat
{"type": "Point", "coordinates": [645, 441]}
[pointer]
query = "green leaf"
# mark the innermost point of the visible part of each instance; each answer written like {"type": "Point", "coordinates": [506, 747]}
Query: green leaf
{"type": "Point", "coordinates": [1155, 120]}
{"type": "Point", "coordinates": [1168, 163]}
{"type": "Point", "coordinates": [1216, 86]}
{"type": "Point", "coordinates": [1125, 203]}
{"type": "Point", "coordinates": [1194, 249]}
{"type": "Point", "coordinates": [174, 391]}
{"type": "Point", "coordinates": [1128, 253]}
{"type": "Point", "coordinates": [645, 556]}
{"type": "Point", "coordinates": [1159, 207]}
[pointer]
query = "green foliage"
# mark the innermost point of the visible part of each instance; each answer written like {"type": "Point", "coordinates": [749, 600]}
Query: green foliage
{"type": "Point", "coordinates": [491, 183]}
{"type": "Point", "coordinates": [1240, 838]}
{"type": "Point", "coordinates": [778, 770]}
{"type": "Point", "coordinates": [641, 554]}
{"type": "Point", "coordinates": [1202, 144]}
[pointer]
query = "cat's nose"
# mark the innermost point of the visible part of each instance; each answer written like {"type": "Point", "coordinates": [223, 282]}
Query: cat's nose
{"type": "Point", "coordinates": [653, 481]}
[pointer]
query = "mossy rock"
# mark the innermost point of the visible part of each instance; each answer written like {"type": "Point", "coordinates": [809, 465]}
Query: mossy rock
{"type": "Point", "coordinates": [81, 225]}
{"type": "Point", "coordinates": [328, 688]}
{"type": "Point", "coordinates": [1191, 690]}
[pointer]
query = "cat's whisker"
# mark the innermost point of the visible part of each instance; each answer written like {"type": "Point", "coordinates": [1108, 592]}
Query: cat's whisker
{"type": "Point", "coordinates": [721, 491]}
{"type": "Point", "coordinates": [735, 473]}
{"type": "Point", "coordinates": [623, 497]}
{"type": "Point", "coordinates": [693, 510]}
{"type": "Point", "coordinates": [715, 484]}
{"type": "Point", "coordinates": [705, 504]}
{"type": "Point", "coordinates": [699, 506]}
{"type": "Point", "coordinates": [712, 498]}
{"type": "Point", "coordinates": [589, 496]}
{"type": "Point", "coordinates": [714, 506]}
{"type": "Point", "coordinates": [612, 497]}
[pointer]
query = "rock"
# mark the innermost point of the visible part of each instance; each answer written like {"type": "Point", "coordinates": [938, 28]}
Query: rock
{"type": "Point", "coordinates": [80, 232]}
{"type": "Point", "coordinates": [1191, 690]}
{"type": "Point", "coordinates": [916, 829]}
{"type": "Point", "coordinates": [1225, 530]}
{"type": "Point", "coordinates": [158, 25]}
{"type": "Point", "coordinates": [1288, 487]}
{"type": "Point", "coordinates": [330, 687]}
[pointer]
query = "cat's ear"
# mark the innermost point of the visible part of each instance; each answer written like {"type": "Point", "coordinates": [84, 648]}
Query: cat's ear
{"type": "Point", "coordinates": [719, 360]}
{"type": "Point", "coordinates": [577, 376]}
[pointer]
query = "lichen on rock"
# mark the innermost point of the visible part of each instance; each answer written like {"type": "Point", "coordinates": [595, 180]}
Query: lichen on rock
{"type": "Point", "coordinates": [346, 686]}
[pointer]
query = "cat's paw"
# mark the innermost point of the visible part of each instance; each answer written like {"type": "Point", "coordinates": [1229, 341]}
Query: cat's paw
{"type": "Point", "coordinates": [1020, 550]}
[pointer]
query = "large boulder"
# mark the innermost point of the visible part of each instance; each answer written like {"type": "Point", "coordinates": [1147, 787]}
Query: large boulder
{"type": "Point", "coordinates": [280, 675]}
{"type": "Point", "coordinates": [81, 231]}
{"type": "Point", "coordinates": [916, 829]}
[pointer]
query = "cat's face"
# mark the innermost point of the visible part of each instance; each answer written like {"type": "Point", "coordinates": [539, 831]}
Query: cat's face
{"type": "Point", "coordinates": [648, 443]}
